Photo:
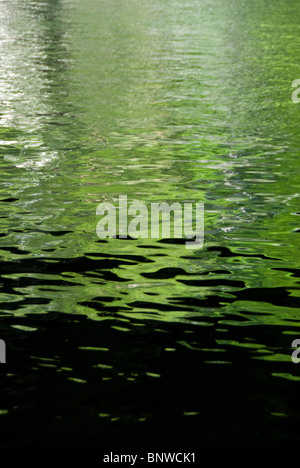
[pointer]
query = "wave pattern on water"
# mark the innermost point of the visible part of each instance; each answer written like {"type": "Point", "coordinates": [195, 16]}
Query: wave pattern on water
{"type": "Point", "coordinates": [141, 342]}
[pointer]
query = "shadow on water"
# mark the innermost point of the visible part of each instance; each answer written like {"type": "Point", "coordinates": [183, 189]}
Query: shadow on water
{"type": "Point", "coordinates": [199, 382]}
{"type": "Point", "coordinates": [76, 382]}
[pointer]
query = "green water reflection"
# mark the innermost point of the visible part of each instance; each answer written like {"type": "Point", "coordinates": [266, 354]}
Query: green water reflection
{"type": "Point", "coordinates": [162, 101]}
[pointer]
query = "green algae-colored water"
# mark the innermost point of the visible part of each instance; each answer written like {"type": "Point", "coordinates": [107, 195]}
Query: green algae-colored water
{"type": "Point", "coordinates": [135, 342]}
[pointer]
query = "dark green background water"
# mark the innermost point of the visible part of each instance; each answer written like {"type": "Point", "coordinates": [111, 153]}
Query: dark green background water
{"type": "Point", "coordinates": [141, 342]}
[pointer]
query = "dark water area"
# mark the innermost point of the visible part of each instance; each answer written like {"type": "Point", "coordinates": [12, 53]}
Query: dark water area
{"type": "Point", "coordinates": [143, 343]}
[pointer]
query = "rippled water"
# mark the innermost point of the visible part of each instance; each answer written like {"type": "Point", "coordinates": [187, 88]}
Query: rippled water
{"type": "Point", "coordinates": [124, 342]}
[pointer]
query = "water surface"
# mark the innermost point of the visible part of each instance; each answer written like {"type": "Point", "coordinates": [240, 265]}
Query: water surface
{"type": "Point", "coordinates": [144, 343]}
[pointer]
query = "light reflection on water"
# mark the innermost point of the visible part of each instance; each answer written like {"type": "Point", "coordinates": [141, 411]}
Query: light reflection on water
{"type": "Point", "coordinates": [161, 101]}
